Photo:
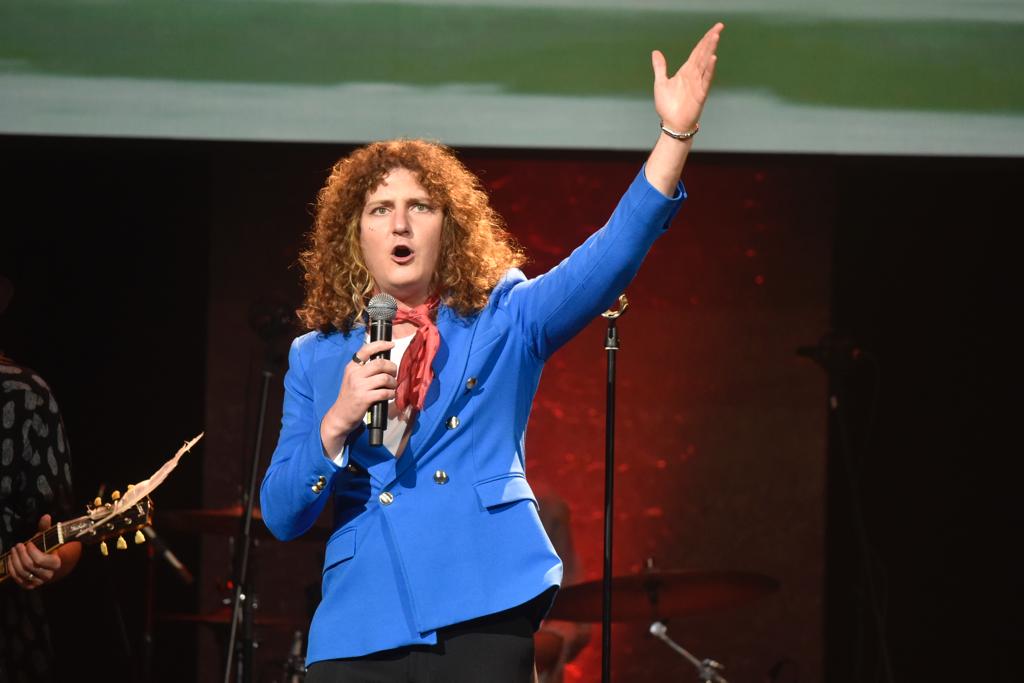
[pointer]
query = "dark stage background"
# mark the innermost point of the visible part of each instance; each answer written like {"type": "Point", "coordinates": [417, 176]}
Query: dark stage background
{"type": "Point", "coordinates": [140, 264]}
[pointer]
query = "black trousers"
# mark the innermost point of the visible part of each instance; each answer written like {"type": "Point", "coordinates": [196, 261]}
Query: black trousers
{"type": "Point", "coordinates": [494, 649]}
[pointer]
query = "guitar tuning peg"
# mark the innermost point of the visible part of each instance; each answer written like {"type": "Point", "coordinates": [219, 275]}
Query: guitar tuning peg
{"type": "Point", "coordinates": [116, 495]}
{"type": "Point", "coordinates": [121, 543]}
{"type": "Point", "coordinates": [98, 502]}
{"type": "Point", "coordinates": [131, 486]}
{"type": "Point", "coordinates": [139, 537]}
{"type": "Point", "coordinates": [103, 549]}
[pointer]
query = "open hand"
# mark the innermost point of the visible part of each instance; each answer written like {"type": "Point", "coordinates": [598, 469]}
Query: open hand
{"type": "Point", "coordinates": [679, 99]}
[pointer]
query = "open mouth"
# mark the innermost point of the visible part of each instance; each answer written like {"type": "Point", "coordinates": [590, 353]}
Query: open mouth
{"type": "Point", "coordinates": [401, 254]}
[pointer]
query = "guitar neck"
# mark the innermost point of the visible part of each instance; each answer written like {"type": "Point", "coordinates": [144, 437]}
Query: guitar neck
{"type": "Point", "coordinates": [101, 523]}
{"type": "Point", "coordinates": [46, 541]}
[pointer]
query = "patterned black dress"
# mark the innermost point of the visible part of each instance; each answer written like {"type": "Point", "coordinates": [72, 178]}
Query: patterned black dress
{"type": "Point", "coordinates": [35, 479]}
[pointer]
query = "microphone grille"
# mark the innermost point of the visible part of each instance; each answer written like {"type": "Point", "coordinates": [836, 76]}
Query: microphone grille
{"type": "Point", "coordinates": [382, 307]}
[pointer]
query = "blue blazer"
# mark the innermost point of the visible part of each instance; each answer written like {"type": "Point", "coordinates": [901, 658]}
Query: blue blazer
{"type": "Point", "coordinates": [449, 531]}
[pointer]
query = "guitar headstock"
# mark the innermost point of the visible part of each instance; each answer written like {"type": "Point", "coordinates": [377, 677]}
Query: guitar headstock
{"type": "Point", "coordinates": [104, 521]}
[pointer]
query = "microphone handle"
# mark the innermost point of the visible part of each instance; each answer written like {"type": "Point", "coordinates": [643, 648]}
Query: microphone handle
{"type": "Point", "coordinates": [380, 330]}
{"type": "Point", "coordinates": [812, 352]}
{"type": "Point", "coordinates": [160, 547]}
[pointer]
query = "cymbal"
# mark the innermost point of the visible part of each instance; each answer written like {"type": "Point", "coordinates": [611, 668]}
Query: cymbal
{"type": "Point", "coordinates": [661, 594]}
{"type": "Point", "coordinates": [222, 617]}
{"type": "Point", "coordinates": [225, 522]}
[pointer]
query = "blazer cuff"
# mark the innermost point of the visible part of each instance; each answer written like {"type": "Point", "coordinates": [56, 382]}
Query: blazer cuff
{"type": "Point", "coordinates": [677, 198]}
{"type": "Point", "coordinates": [323, 465]}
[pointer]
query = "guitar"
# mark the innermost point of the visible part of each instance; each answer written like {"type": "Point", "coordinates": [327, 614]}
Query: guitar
{"type": "Point", "coordinates": [101, 523]}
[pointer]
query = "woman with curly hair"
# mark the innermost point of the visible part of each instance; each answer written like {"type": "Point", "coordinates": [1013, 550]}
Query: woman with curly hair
{"type": "Point", "coordinates": [438, 568]}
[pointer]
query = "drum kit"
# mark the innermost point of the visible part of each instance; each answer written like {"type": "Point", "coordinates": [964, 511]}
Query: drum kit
{"type": "Point", "coordinates": [651, 596]}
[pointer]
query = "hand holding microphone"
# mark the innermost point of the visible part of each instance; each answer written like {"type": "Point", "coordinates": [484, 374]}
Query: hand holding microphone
{"type": "Point", "coordinates": [368, 384]}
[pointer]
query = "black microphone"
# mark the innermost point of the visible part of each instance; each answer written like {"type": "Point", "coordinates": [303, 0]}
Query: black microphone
{"type": "Point", "coordinates": [832, 351]}
{"type": "Point", "coordinates": [161, 548]}
{"type": "Point", "coordinates": [382, 309]}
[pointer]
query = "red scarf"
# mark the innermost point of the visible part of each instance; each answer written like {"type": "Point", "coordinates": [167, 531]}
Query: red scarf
{"type": "Point", "coordinates": [416, 373]}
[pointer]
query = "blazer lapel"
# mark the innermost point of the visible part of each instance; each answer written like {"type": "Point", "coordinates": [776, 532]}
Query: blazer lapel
{"type": "Point", "coordinates": [449, 367]}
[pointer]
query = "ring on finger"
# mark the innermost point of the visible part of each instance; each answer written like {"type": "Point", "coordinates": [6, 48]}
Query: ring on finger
{"type": "Point", "coordinates": [32, 577]}
{"type": "Point", "coordinates": [357, 360]}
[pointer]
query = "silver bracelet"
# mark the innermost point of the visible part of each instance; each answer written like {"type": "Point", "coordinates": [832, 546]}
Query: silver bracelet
{"type": "Point", "coordinates": [685, 135]}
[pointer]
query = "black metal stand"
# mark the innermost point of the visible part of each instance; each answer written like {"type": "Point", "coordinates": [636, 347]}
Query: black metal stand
{"type": "Point", "coordinates": [241, 602]}
{"type": "Point", "coordinates": [837, 356]}
{"type": "Point", "coordinates": [147, 626]}
{"type": "Point", "coordinates": [110, 597]}
{"type": "Point", "coordinates": [611, 345]}
{"type": "Point", "coordinates": [837, 406]}
{"type": "Point", "coordinates": [708, 670]}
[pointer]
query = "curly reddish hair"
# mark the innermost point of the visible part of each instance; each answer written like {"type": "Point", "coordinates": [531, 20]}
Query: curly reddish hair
{"type": "Point", "coordinates": [476, 248]}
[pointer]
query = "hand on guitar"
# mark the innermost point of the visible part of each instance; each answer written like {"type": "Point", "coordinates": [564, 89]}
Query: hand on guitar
{"type": "Point", "coordinates": [30, 567]}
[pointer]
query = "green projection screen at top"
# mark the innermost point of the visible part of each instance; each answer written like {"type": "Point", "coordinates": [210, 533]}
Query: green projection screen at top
{"type": "Point", "coordinates": [831, 76]}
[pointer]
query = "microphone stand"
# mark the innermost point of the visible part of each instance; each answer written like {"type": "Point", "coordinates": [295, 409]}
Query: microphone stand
{"type": "Point", "coordinates": [611, 345]}
{"type": "Point", "coordinates": [837, 356]}
{"type": "Point", "coordinates": [242, 599]}
{"type": "Point", "coordinates": [708, 670]}
{"type": "Point", "coordinates": [272, 320]}
{"type": "Point", "coordinates": [147, 621]}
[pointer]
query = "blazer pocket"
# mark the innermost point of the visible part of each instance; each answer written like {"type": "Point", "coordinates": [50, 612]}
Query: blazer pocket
{"type": "Point", "coordinates": [503, 490]}
{"type": "Point", "coordinates": [340, 548]}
